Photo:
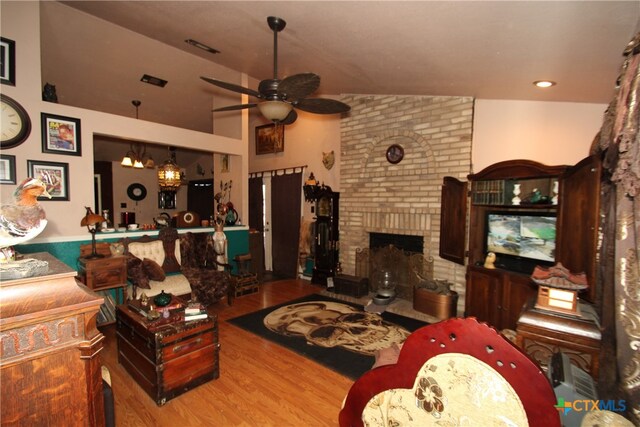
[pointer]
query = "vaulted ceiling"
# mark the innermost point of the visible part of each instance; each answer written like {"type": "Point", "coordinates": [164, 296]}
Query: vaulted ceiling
{"type": "Point", "coordinates": [483, 49]}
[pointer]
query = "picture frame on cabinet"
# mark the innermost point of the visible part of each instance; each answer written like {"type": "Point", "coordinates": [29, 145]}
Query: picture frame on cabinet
{"type": "Point", "coordinates": [269, 139]}
{"type": "Point", "coordinates": [55, 175]}
{"type": "Point", "coordinates": [7, 61]}
{"type": "Point", "coordinates": [7, 169]}
{"type": "Point", "coordinates": [61, 135]}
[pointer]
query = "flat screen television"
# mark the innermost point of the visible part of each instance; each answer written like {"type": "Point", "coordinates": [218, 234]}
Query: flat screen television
{"type": "Point", "coordinates": [521, 240]}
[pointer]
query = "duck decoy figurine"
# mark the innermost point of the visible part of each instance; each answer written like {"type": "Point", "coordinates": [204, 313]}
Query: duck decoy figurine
{"type": "Point", "coordinates": [23, 219]}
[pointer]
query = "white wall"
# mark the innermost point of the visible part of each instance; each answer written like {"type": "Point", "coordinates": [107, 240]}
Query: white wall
{"type": "Point", "coordinates": [304, 143]}
{"type": "Point", "coordinates": [20, 22]}
{"type": "Point", "coordinates": [552, 133]}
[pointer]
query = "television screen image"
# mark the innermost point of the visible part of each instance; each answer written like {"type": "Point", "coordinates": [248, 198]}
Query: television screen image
{"type": "Point", "coordinates": [521, 235]}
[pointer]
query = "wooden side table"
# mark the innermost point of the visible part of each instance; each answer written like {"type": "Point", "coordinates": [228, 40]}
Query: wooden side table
{"type": "Point", "coordinates": [540, 333]}
{"type": "Point", "coordinates": [104, 274]}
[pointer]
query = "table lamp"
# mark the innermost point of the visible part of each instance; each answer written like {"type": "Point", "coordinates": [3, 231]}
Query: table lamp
{"type": "Point", "coordinates": [91, 221]}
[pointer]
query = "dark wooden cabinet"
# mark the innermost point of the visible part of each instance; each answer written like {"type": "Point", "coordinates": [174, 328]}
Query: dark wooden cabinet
{"type": "Point", "coordinates": [453, 217]}
{"type": "Point", "coordinates": [571, 193]}
{"type": "Point", "coordinates": [50, 369]}
{"type": "Point", "coordinates": [326, 246]}
{"type": "Point", "coordinates": [541, 333]}
{"type": "Point", "coordinates": [496, 297]}
{"type": "Point", "coordinates": [579, 219]}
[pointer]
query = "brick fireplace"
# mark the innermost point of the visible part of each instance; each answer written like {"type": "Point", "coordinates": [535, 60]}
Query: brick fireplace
{"type": "Point", "coordinates": [403, 198]}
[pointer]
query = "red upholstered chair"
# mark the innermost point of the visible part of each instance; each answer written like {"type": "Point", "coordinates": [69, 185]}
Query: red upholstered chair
{"type": "Point", "coordinates": [455, 372]}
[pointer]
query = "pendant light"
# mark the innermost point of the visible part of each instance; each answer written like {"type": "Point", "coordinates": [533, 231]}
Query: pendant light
{"type": "Point", "coordinates": [169, 177]}
{"type": "Point", "coordinates": [137, 156]}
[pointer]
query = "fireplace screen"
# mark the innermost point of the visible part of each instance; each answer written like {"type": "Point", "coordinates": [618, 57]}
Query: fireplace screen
{"type": "Point", "coordinates": [390, 266]}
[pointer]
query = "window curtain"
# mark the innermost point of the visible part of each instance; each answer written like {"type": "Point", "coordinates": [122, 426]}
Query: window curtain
{"type": "Point", "coordinates": [619, 270]}
{"type": "Point", "coordinates": [285, 223]}
{"type": "Point", "coordinates": [256, 204]}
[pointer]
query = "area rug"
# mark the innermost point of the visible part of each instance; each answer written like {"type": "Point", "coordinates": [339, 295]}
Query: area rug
{"type": "Point", "coordinates": [337, 334]}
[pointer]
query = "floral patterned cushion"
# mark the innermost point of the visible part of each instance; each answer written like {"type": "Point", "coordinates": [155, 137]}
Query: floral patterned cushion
{"type": "Point", "coordinates": [451, 389]}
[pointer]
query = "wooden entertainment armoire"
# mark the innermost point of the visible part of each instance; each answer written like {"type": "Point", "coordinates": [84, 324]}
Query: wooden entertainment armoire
{"type": "Point", "coordinates": [498, 295]}
{"type": "Point", "coordinates": [50, 370]}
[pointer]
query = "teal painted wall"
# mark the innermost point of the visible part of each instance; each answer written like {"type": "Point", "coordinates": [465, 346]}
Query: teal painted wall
{"type": "Point", "coordinates": [68, 252]}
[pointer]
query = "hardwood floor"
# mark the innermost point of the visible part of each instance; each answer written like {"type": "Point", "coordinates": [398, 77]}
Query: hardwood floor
{"type": "Point", "coordinates": [260, 384]}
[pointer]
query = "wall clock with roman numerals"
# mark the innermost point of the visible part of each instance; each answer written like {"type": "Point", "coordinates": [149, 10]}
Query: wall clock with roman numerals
{"type": "Point", "coordinates": [15, 124]}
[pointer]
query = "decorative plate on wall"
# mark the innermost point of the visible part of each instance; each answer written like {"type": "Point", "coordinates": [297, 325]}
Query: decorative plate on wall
{"type": "Point", "coordinates": [137, 192]}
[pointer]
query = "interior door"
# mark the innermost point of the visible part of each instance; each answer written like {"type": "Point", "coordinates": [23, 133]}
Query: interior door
{"type": "Point", "coordinates": [286, 199]}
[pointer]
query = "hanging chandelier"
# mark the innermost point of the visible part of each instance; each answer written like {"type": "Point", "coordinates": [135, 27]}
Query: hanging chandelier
{"type": "Point", "coordinates": [169, 177]}
{"type": "Point", "coordinates": [137, 158]}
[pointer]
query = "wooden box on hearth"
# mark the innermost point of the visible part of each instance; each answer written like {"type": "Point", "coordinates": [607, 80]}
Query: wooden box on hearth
{"type": "Point", "coordinates": [351, 285]}
{"type": "Point", "coordinates": [168, 357]}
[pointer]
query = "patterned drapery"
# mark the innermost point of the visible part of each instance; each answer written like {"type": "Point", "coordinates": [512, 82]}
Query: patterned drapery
{"type": "Point", "coordinates": [619, 140]}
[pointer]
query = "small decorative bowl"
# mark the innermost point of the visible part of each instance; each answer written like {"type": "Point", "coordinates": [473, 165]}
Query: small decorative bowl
{"type": "Point", "coordinates": [153, 315]}
{"type": "Point", "coordinates": [162, 299]}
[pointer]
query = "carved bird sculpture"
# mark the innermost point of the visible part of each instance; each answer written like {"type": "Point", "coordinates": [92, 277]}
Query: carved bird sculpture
{"type": "Point", "coordinates": [23, 218]}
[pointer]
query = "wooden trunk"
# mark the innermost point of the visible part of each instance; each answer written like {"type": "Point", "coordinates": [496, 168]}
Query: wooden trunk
{"type": "Point", "coordinates": [434, 304]}
{"type": "Point", "coordinates": [169, 360]}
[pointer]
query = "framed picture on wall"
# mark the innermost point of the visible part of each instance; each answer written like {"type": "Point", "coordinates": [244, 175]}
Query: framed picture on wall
{"type": "Point", "coordinates": [54, 175]}
{"type": "Point", "coordinates": [7, 61]}
{"type": "Point", "coordinates": [61, 135]}
{"type": "Point", "coordinates": [7, 169]}
{"type": "Point", "coordinates": [269, 139]}
{"type": "Point", "coordinates": [224, 163]}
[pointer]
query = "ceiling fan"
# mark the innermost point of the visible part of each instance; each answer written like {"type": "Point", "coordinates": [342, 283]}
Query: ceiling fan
{"type": "Point", "coordinates": [278, 98]}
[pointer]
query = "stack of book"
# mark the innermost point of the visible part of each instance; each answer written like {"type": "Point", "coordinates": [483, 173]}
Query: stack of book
{"type": "Point", "coordinates": [194, 311]}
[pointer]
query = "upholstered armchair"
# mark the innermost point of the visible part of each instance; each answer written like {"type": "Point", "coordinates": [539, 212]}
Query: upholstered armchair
{"type": "Point", "coordinates": [210, 280]}
{"type": "Point", "coordinates": [455, 372]}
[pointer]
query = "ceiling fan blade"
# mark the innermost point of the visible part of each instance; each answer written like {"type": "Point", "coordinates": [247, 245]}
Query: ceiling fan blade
{"type": "Point", "coordinates": [232, 87]}
{"type": "Point", "coordinates": [298, 86]}
{"type": "Point", "coordinates": [234, 107]}
{"type": "Point", "coordinates": [322, 106]}
{"type": "Point", "coordinates": [291, 117]}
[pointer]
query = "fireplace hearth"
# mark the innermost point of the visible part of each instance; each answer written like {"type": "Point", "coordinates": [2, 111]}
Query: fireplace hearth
{"type": "Point", "coordinates": [391, 271]}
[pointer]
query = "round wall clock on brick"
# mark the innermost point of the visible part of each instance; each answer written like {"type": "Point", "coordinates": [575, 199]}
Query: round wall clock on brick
{"type": "Point", "coordinates": [395, 153]}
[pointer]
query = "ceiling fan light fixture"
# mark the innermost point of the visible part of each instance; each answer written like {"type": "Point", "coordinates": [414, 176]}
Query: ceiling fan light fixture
{"type": "Point", "coordinates": [276, 111]}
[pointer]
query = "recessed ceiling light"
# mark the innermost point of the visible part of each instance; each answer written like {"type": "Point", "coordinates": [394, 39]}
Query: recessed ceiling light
{"type": "Point", "coordinates": [202, 46]}
{"type": "Point", "coordinates": [544, 83]}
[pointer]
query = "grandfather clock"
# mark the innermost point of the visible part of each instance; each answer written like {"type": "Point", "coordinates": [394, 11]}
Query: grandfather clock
{"type": "Point", "coordinates": [326, 243]}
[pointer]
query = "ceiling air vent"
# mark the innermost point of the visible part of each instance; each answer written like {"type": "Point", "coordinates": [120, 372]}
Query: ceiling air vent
{"type": "Point", "coordinates": [153, 80]}
{"type": "Point", "coordinates": [202, 46]}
